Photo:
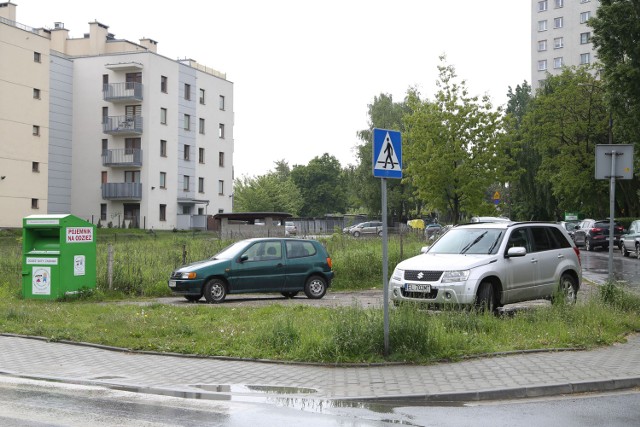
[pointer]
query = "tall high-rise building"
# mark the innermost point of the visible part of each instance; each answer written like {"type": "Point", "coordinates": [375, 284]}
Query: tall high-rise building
{"type": "Point", "coordinates": [560, 36]}
{"type": "Point", "coordinates": [117, 134]}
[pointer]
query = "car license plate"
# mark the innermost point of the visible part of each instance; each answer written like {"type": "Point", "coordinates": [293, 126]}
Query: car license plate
{"type": "Point", "coordinates": [172, 283]}
{"type": "Point", "coordinates": [417, 287]}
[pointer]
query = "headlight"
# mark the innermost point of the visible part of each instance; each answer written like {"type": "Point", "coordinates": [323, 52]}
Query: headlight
{"type": "Point", "coordinates": [455, 276]}
{"type": "Point", "coordinates": [189, 275]}
{"type": "Point", "coordinates": [397, 275]}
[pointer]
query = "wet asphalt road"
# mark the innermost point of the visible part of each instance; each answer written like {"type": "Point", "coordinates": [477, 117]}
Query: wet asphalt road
{"type": "Point", "coordinates": [595, 264]}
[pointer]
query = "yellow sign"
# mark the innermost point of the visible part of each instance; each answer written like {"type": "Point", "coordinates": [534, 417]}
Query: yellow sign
{"type": "Point", "coordinates": [496, 196]}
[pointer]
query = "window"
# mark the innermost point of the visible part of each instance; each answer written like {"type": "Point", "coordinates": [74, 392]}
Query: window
{"type": "Point", "coordinates": [221, 102]}
{"type": "Point", "coordinates": [201, 126]}
{"type": "Point", "coordinates": [131, 145]}
{"type": "Point", "coordinates": [221, 188]}
{"type": "Point", "coordinates": [542, 45]}
{"type": "Point", "coordinates": [186, 154]}
{"type": "Point", "coordinates": [34, 204]}
{"type": "Point", "coordinates": [557, 62]}
{"type": "Point", "coordinates": [36, 93]}
{"type": "Point", "coordinates": [103, 177]}
{"type": "Point", "coordinates": [37, 57]}
{"type": "Point", "coordinates": [559, 3]}
{"type": "Point", "coordinates": [36, 130]}
{"type": "Point", "coordinates": [185, 182]}
{"type": "Point", "coordinates": [558, 22]}
{"type": "Point", "coordinates": [542, 65]}
{"type": "Point", "coordinates": [221, 159]}
{"type": "Point", "coordinates": [200, 155]}
{"type": "Point", "coordinates": [187, 122]}
{"type": "Point", "coordinates": [163, 84]}
{"type": "Point", "coordinates": [187, 92]}
{"type": "Point", "coordinates": [163, 116]}
{"type": "Point", "coordinates": [558, 43]}
{"type": "Point", "coordinates": [103, 211]}
{"type": "Point", "coordinates": [221, 130]}
{"type": "Point", "coordinates": [163, 180]}
{"type": "Point", "coordinates": [202, 96]}
{"type": "Point", "coordinates": [133, 78]}
{"type": "Point", "coordinates": [35, 167]}
{"type": "Point", "coordinates": [163, 212]}
{"type": "Point", "coordinates": [585, 58]}
{"type": "Point", "coordinates": [105, 79]}
{"type": "Point", "coordinates": [186, 210]}
{"type": "Point", "coordinates": [542, 25]}
{"type": "Point", "coordinates": [163, 148]}
{"type": "Point", "coordinates": [105, 146]}
{"type": "Point", "coordinates": [542, 6]}
{"type": "Point", "coordinates": [585, 38]}
{"type": "Point", "coordinates": [584, 17]}
{"type": "Point", "coordinates": [200, 211]}
{"type": "Point", "coordinates": [131, 176]}
{"type": "Point", "coordinates": [200, 185]}
{"type": "Point", "coordinates": [105, 115]}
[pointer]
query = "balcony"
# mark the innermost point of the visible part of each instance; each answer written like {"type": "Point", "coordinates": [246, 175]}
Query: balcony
{"type": "Point", "coordinates": [128, 157]}
{"type": "Point", "coordinates": [122, 191]}
{"type": "Point", "coordinates": [122, 125]}
{"type": "Point", "coordinates": [122, 92]}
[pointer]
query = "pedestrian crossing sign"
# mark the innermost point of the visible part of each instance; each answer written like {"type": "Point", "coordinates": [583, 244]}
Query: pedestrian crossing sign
{"type": "Point", "coordinates": [387, 153]}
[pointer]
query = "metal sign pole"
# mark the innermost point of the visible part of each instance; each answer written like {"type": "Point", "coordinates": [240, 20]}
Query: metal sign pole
{"type": "Point", "coordinates": [612, 198]}
{"type": "Point", "coordinates": [385, 267]}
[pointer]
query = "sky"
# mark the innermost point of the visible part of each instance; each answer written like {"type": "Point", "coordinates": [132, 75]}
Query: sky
{"type": "Point", "coordinates": [305, 71]}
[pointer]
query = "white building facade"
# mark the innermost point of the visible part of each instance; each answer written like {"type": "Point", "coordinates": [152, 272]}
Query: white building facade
{"type": "Point", "coordinates": [137, 139]}
{"type": "Point", "coordinates": [560, 36]}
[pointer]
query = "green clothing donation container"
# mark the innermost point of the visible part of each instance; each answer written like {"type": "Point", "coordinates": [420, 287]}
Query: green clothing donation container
{"type": "Point", "coordinates": [58, 256]}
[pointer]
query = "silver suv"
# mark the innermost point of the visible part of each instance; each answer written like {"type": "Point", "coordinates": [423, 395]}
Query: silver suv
{"type": "Point", "coordinates": [491, 264]}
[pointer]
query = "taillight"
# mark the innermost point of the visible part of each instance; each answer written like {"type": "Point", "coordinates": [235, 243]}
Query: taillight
{"type": "Point", "coordinates": [577, 251]}
{"type": "Point", "coordinates": [596, 229]}
{"type": "Point", "coordinates": [329, 263]}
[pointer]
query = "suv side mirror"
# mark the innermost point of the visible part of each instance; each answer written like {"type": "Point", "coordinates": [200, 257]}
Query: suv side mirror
{"type": "Point", "coordinates": [516, 251]}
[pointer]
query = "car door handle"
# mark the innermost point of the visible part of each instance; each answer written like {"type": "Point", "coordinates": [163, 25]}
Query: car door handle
{"type": "Point", "coordinates": [560, 256]}
{"type": "Point", "coordinates": [534, 261]}
{"type": "Point", "coordinates": [279, 265]}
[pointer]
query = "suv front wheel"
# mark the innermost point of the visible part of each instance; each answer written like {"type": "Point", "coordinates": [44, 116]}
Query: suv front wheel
{"type": "Point", "coordinates": [486, 298]}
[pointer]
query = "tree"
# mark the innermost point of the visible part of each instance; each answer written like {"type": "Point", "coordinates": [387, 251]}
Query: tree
{"type": "Point", "coordinates": [455, 154]}
{"type": "Point", "coordinates": [566, 120]}
{"type": "Point", "coordinates": [272, 192]}
{"type": "Point", "coordinates": [321, 186]}
{"type": "Point", "coordinates": [616, 36]}
{"type": "Point", "coordinates": [528, 198]}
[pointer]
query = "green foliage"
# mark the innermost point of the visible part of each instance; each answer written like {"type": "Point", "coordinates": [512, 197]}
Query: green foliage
{"type": "Point", "coordinates": [321, 185]}
{"type": "Point", "coordinates": [456, 151]}
{"type": "Point", "coordinates": [273, 192]}
{"type": "Point", "coordinates": [616, 29]}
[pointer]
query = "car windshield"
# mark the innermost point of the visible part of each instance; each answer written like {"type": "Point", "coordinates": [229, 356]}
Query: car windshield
{"type": "Point", "coordinates": [231, 251]}
{"type": "Point", "coordinates": [468, 241]}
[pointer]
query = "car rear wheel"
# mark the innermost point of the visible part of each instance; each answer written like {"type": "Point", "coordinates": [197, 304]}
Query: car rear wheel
{"type": "Point", "coordinates": [587, 245]}
{"type": "Point", "coordinates": [215, 291]}
{"type": "Point", "coordinates": [356, 234]}
{"type": "Point", "coordinates": [486, 298]}
{"type": "Point", "coordinates": [193, 298]}
{"type": "Point", "coordinates": [568, 291]}
{"type": "Point", "coordinates": [316, 287]}
{"type": "Point", "coordinates": [289, 294]}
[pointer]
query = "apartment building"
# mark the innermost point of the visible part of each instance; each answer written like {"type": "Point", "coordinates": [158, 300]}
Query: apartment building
{"type": "Point", "coordinates": [135, 139]}
{"type": "Point", "coordinates": [560, 36]}
{"type": "Point", "coordinates": [24, 119]}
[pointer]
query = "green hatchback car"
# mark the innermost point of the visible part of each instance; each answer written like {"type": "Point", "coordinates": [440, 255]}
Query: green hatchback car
{"type": "Point", "coordinates": [282, 265]}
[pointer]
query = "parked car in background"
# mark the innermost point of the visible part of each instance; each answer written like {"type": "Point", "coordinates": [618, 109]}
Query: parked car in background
{"type": "Point", "coordinates": [595, 234]}
{"type": "Point", "coordinates": [570, 226]}
{"type": "Point", "coordinates": [364, 228]}
{"type": "Point", "coordinates": [488, 265]}
{"type": "Point", "coordinates": [432, 230]}
{"type": "Point", "coordinates": [283, 265]}
{"type": "Point", "coordinates": [290, 228]}
{"type": "Point", "coordinates": [630, 241]}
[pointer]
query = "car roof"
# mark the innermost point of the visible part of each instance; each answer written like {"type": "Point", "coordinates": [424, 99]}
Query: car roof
{"type": "Point", "coordinates": [505, 224]}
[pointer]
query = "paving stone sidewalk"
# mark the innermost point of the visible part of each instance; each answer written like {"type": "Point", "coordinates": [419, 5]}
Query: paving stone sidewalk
{"type": "Point", "coordinates": [507, 376]}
